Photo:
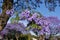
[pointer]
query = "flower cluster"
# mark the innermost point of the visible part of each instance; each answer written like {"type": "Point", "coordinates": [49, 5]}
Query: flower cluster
{"type": "Point", "coordinates": [10, 27]}
{"type": "Point", "coordinates": [45, 23]}
{"type": "Point", "coordinates": [10, 12]}
{"type": "Point", "coordinates": [37, 22]}
{"type": "Point", "coordinates": [40, 25]}
{"type": "Point", "coordinates": [25, 14]}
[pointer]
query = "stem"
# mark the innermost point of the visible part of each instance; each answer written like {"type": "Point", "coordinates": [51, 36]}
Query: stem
{"type": "Point", "coordinates": [41, 37]}
{"type": "Point", "coordinates": [17, 38]}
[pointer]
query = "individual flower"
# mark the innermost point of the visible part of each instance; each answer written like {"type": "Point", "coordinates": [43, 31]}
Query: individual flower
{"type": "Point", "coordinates": [10, 12]}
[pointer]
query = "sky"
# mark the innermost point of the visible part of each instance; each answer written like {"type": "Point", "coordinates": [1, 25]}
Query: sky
{"type": "Point", "coordinates": [43, 10]}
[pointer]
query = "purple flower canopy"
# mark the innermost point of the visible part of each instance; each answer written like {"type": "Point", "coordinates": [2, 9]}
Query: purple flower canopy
{"type": "Point", "coordinates": [18, 27]}
{"type": "Point", "coordinates": [42, 21]}
{"type": "Point", "coordinates": [54, 20]}
{"type": "Point", "coordinates": [50, 25]}
{"type": "Point", "coordinates": [45, 22]}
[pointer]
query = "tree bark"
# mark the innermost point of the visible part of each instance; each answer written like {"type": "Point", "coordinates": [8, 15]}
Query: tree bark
{"type": "Point", "coordinates": [7, 4]}
{"type": "Point", "coordinates": [42, 37]}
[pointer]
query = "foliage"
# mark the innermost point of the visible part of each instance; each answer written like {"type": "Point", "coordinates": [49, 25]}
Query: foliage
{"type": "Point", "coordinates": [33, 4]}
{"type": "Point", "coordinates": [40, 25]}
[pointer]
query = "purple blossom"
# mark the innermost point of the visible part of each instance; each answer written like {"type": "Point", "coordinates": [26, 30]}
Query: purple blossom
{"type": "Point", "coordinates": [47, 29]}
{"type": "Point", "coordinates": [25, 14]}
{"type": "Point", "coordinates": [37, 20]}
{"type": "Point", "coordinates": [55, 29]}
{"type": "Point", "coordinates": [33, 17]}
{"type": "Point", "coordinates": [30, 19]}
{"type": "Point", "coordinates": [54, 20]}
{"type": "Point", "coordinates": [10, 12]}
{"type": "Point", "coordinates": [47, 23]}
{"type": "Point", "coordinates": [18, 27]}
{"type": "Point", "coordinates": [42, 21]}
{"type": "Point", "coordinates": [4, 31]}
{"type": "Point", "coordinates": [41, 32]}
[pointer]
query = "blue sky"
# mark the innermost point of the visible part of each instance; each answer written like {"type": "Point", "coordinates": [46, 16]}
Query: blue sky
{"type": "Point", "coordinates": [43, 10]}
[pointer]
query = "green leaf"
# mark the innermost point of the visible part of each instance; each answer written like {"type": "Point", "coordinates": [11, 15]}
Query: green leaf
{"type": "Point", "coordinates": [12, 20]}
{"type": "Point", "coordinates": [33, 25]}
{"type": "Point", "coordinates": [17, 16]}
